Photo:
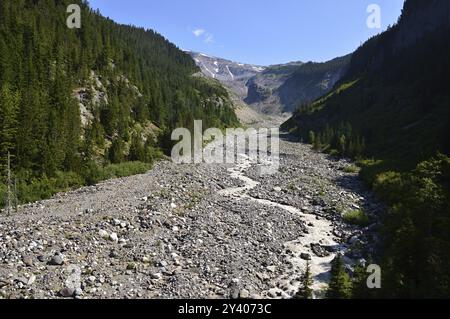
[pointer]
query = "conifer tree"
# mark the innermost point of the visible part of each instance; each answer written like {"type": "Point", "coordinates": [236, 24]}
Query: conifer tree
{"type": "Point", "coordinates": [340, 285]}
{"type": "Point", "coordinates": [359, 283]}
{"type": "Point", "coordinates": [137, 150]}
{"type": "Point", "coordinates": [312, 137]}
{"type": "Point", "coordinates": [305, 291]}
{"type": "Point", "coordinates": [9, 103]}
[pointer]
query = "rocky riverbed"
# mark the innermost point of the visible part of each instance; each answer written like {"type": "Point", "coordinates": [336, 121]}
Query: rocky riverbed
{"type": "Point", "coordinates": [189, 231]}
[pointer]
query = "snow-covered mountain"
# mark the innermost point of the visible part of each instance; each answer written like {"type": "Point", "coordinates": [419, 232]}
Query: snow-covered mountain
{"type": "Point", "coordinates": [225, 70]}
{"type": "Point", "coordinates": [274, 89]}
{"type": "Point", "coordinates": [234, 75]}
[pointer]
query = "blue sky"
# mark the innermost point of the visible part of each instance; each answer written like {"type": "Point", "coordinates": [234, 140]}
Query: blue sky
{"type": "Point", "coordinates": [260, 32]}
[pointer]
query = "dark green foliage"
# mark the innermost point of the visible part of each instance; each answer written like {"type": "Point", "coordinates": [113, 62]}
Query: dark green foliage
{"type": "Point", "coordinates": [305, 291]}
{"type": "Point", "coordinates": [356, 217]}
{"type": "Point", "coordinates": [144, 78]}
{"type": "Point", "coordinates": [340, 285]}
{"type": "Point", "coordinates": [116, 151]}
{"type": "Point", "coordinates": [9, 105]}
{"type": "Point", "coordinates": [393, 105]}
{"type": "Point", "coordinates": [359, 284]}
{"type": "Point", "coordinates": [417, 240]}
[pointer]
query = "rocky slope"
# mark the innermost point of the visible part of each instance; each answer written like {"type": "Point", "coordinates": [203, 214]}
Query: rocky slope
{"type": "Point", "coordinates": [234, 75]}
{"type": "Point", "coordinates": [275, 89]}
{"type": "Point", "coordinates": [188, 231]}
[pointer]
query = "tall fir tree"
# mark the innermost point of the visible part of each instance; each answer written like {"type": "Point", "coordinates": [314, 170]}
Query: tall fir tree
{"type": "Point", "coordinates": [305, 291]}
{"type": "Point", "coordinates": [9, 105]}
{"type": "Point", "coordinates": [340, 285]}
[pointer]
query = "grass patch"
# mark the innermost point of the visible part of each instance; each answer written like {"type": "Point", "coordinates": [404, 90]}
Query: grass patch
{"type": "Point", "coordinates": [352, 169]}
{"type": "Point", "coordinates": [356, 217]}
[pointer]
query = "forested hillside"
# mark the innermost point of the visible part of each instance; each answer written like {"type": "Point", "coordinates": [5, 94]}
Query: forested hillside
{"type": "Point", "coordinates": [393, 106]}
{"type": "Point", "coordinates": [73, 101]}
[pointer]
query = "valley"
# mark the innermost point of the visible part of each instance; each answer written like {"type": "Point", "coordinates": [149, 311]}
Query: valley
{"type": "Point", "coordinates": [189, 231]}
{"type": "Point", "coordinates": [92, 207]}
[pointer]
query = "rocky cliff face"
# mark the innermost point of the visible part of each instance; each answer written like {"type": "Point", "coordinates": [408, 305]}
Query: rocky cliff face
{"type": "Point", "coordinates": [276, 89]}
{"type": "Point", "coordinates": [283, 88]}
{"type": "Point", "coordinates": [232, 74]}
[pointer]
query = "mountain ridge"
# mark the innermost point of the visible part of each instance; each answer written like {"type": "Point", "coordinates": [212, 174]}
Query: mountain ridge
{"type": "Point", "coordinates": [274, 89]}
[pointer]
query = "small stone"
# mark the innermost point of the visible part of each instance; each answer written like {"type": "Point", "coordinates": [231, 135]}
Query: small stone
{"type": "Point", "coordinates": [31, 280]}
{"type": "Point", "coordinates": [244, 294]}
{"type": "Point", "coordinates": [319, 251]}
{"type": "Point", "coordinates": [234, 293]}
{"type": "Point", "coordinates": [28, 261]}
{"type": "Point", "coordinates": [271, 268]}
{"type": "Point", "coordinates": [103, 234]}
{"type": "Point", "coordinates": [113, 254]}
{"type": "Point", "coordinates": [56, 261]}
{"type": "Point", "coordinates": [113, 237]}
{"type": "Point", "coordinates": [305, 256]}
{"type": "Point", "coordinates": [146, 260]}
{"type": "Point", "coordinates": [277, 189]}
{"type": "Point", "coordinates": [156, 276]}
{"type": "Point", "coordinates": [67, 292]}
{"type": "Point", "coordinates": [173, 205]}
{"type": "Point", "coordinates": [78, 292]}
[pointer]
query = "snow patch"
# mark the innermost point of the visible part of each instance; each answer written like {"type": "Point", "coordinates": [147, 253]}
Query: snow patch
{"type": "Point", "coordinates": [228, 69]}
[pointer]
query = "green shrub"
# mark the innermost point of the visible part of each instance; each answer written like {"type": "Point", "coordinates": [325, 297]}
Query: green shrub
{"type": "Point", "coordinates": [125, 169]}
{"type": "Point", "coordinates": [389, 186]}
{"type": "Point", "coordinates": [34, 189]}
{"type": "Point", "coordinates": [352, 169]}
{"type": "Point", "coordinates": [356, 217]}
{"type": "Point", "coordinates": [92, 173]}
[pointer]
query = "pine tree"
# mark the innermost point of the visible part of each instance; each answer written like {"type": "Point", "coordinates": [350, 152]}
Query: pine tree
{"type": "Point", "coordinates": [305, 291]}
{"type": "Point", "coordinates": [359, 283]}
{"type": "Point", "coordinates": [340, 285]}
{"type": "Point", "coordinates": [116, 151]}
{"type": "Point", "coordinates": [317, 143]}
{"type": "Point", "coordinates": [137, 150]}
{"type": "Point", "coordinates": [9, 103]}
{"type": "Point", "coordinates": [342, 145]}
{"type": "Point", "coordinates": [312, 137]}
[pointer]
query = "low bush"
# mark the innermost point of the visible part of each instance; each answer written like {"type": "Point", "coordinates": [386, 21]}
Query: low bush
{"type": "Point", "coordinates": [356, 217]}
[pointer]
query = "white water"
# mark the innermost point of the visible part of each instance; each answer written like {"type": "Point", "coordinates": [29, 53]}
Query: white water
{"type": "Point", "coordinates": [320, 232]}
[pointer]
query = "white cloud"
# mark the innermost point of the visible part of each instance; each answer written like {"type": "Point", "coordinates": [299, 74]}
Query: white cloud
{"type": "Point", "coordinates": [198, 32]}
{"type": "Point", "coordinates": [204, 34]}
{"type": "Point", "coordinates": [209, 38]}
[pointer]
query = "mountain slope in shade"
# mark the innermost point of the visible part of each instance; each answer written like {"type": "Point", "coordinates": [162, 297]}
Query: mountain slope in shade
{"type": "Point", "coordinates": [275, 89]}
{"type": "Point", "coordinates": [395, 92]}
{"type": "Point", "coordinates": [283, 88]}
